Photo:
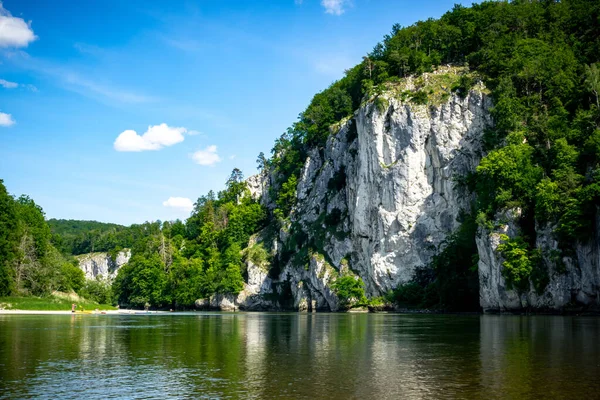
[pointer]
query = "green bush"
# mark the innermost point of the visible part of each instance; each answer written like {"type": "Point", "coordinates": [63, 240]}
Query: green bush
{"type": "Point", "coordinates": [97, 290]}
{"type": "Point", "coordinates": [517, 262]}
{"type": "Point", "coordinates": [350, 291]}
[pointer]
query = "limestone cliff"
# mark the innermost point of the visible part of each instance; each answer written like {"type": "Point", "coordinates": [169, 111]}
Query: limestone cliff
{"type": "Point", "coordinates": [378, 200]}
{"type": "Point", "coordinates": [102, 265]}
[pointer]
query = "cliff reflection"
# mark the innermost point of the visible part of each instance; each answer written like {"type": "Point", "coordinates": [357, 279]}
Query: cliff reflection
{"type": "Point", "coordinates": [299, 355]}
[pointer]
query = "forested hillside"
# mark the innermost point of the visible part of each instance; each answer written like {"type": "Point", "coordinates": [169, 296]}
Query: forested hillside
{"type": "Point", "coordinates": [539, 60]}
{"type": "Point", "coordinates": [29, 263]}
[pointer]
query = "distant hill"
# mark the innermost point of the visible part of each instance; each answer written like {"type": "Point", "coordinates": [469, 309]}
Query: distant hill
{"type": "Point", "coordinates": [80, 237]}
{"type": "Point", "coordinates": [76, 227]}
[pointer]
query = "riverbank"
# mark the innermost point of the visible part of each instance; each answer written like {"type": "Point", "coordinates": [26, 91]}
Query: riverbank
{"type": "Point", "coordinates": [90, 312]}
{"type": "Point", "coordinates": [51, 303]}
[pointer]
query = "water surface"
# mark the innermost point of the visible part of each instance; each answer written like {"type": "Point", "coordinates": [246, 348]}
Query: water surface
{"type": "Point", "coordinates": [267, 355]}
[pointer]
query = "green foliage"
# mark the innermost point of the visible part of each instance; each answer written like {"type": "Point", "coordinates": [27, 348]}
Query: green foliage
{"type": "Point", "coordinates": [8, 241]}
{"type": "Point", "coordinates": [410, 294]}
{"type": "Point", "coordinates": [97, 290]}
{"type": "Point", "coordinates": [350, 291]}
{"type": "Point", "coordinates": [420, 97]}
{"type": "Point", "coordinates": [257, 254]}
{"type": "Point", "coordinates": [29, 263]}
{"type": "Point", "coordinates": [81, 237]}
{"type": "Point", "coordinates": [517, 262]}
{"type": "Point", "coordinates": [464, 84]}
{"type": "Point", "coordinates": [287, 196]}
{"type": "Point", "coordinates": [592, 81]}
{"type": "Point", "coordinates": [456, 285]}
{"type": "Point", "coordinates": [507, 177]}
{"type": "Point", "coordinates": [72, 278]}
{"type": "Point", "coordinates": [174, 264]}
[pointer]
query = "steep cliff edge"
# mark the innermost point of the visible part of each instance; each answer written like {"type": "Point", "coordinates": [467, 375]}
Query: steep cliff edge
{"type": "Point", "coordinates": [102, 264]}
{"type": "Point", "coordinates": [377, 202]}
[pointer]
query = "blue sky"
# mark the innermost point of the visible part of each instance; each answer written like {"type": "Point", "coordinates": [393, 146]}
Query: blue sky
{"type": "Point", "coordinates": [110, 108]}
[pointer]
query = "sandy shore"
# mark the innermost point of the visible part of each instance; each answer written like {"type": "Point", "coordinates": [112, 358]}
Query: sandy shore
{"type": "Point", "coordinates": [107, 312]}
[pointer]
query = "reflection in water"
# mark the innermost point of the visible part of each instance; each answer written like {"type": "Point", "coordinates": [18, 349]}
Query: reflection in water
{"type": "Point", "coordinates": [298, 356]}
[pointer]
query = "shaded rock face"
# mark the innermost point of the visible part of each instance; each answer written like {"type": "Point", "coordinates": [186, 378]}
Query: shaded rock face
{"type": "Point", "coordinates": [570, 281]}
{"type": "Point", "coordinates": [102, 265]}
{"type": "Point", "coordinates": [382, 196]}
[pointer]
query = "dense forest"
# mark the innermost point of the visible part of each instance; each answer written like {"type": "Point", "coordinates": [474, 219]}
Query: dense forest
{"type": "Point", "coordinates": [540, 60]}
{"type": "Point", "coordinates": [29, 262]}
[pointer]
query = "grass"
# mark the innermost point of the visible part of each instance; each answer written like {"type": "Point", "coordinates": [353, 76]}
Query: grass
{"type": "Point", "coordinates": [48, 304]}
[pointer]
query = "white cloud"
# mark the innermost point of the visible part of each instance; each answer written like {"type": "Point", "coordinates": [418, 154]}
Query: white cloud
{"type": "Point", "coordinates": [12, 85]}
{"type": "Point", "coordinates": [180, 203]}
{"type": "Point", "coordinates": [231, 157]}
{"type": "Point", "coordinates": [155, 138]}
{"type": "Point", "coordinates": [8, 85]}
{"type": "Point", "coordinates": [14, 32]}
{"type": "Point", "coordinates": [334, 7]}
{"type": "Point", "coordinates": [207, 156]}
{"type": "Point", "coordinates": [6, 119]}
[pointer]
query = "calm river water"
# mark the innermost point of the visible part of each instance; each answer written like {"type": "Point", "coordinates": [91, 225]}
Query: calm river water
{"type": "Point", "coordinates": [331, 356]}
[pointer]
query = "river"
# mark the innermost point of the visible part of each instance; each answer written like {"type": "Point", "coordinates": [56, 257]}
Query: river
{"type": "Point", "coordinates": [293, 355]}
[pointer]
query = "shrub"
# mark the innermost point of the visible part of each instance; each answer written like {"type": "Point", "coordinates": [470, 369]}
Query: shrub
{"type": "Point", "coordinates": [350, 291]}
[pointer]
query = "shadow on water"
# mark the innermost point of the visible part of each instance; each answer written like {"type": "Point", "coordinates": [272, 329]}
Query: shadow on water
{"type": "Point", "coordinates": [293, 355]}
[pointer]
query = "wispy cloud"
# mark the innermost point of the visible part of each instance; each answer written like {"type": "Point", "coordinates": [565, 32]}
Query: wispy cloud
{"type": "Point", "coordinates": [183, 44]}
{"type": "Point", "coordinates": [81, 85]}
{"type": "Point", "coordinates": [8, 85]}
{"type": "Point", "coordinates": [90, 49]}
{"type": "Point", "coordinates": [13, 85]}
{"type": "Point", "coordinates": [179, 203]}
{"type": "Point", "coordinates": [70, 79]}
{"type": "Point", "coordinates": [334, 7]}
{"type": "Point", "coordinates": [14, 32]}
{"type": "Point", "coordinates": [208, 156]}
{"type": "Point", "coordinates": [6, 119]}
{"type": "Point", "coordinates": [155, 138]}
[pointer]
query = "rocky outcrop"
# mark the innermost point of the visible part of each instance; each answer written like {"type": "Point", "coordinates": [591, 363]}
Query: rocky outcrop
{"type": "Point", "coordinates": [101, 265]}
{"type": "Point", "coordinates": [563, 282]}
{"type": "Point", "coordinates": [381, 197]}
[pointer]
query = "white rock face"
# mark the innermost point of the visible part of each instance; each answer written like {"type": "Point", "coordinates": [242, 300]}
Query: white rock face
{"type": "Point", "coordinates": [384, 192]}
{"type": "Point", "coordinates": [257, 186]}
{"type": "Point", "coordinates": [571, 281]}
{"type": "Point", "coordinates": [101, 264]}
{"type": "Point", "coordinates": [404, 198]}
